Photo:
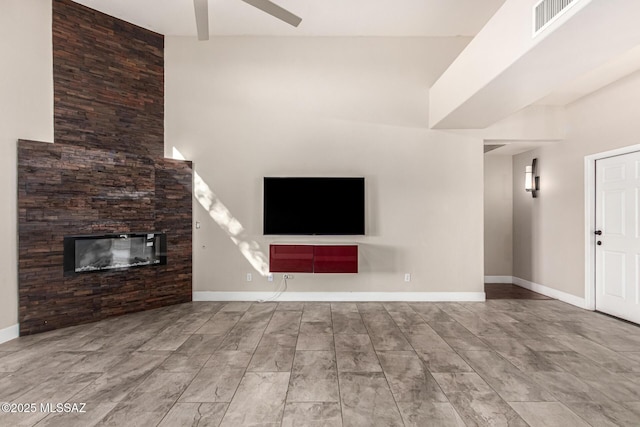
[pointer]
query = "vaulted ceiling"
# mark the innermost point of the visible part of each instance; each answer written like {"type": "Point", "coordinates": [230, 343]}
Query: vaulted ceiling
{"type": "Point", "coordinates": [431, 18]}
{"type": "Point", "coordinates": [375, 18]}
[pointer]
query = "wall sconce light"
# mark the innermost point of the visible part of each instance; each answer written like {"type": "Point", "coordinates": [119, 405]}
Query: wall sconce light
{"type": "Point", "coordinates": [531, 180]}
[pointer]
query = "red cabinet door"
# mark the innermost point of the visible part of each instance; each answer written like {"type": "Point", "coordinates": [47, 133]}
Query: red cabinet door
{"type": "Point", "coordinates": [336, 259]}
{"type": "Point", "coordinates": [291, 258]}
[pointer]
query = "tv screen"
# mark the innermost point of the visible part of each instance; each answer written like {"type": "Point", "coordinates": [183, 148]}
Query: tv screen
{"type": "Point", "coordinates": [308, 206]}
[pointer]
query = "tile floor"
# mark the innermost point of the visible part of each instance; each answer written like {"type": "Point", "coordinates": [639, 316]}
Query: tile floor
{"type": "Point", "coordinates": [497, 363]}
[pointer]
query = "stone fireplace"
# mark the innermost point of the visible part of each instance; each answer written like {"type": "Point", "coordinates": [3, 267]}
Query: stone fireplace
{"type": "Point", "coordinates": [104, 177]}
{"type": "Point", "coordinates": [95, 232]}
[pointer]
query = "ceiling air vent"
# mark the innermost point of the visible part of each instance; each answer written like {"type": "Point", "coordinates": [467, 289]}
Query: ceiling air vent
{"type": "Point", "coordinates": [547, 11]}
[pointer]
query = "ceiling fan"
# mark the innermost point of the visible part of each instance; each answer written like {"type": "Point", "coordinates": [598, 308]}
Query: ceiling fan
{"type": "Point", "coordinates": [202, 14]}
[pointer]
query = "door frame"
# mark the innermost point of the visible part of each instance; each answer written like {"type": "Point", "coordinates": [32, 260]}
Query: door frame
{"type": "Point", "coordinates": [590, 219]}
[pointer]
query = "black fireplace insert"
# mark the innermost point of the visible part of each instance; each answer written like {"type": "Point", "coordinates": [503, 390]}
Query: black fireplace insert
{"type": "Point", "coordinates": [85, 254]}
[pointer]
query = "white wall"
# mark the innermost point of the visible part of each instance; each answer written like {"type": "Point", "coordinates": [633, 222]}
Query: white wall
{"type": "Point", "coordinates": [498, 215]}
{"type": "Point", "coordinates": [243, 108]}
{"type": "Point", "coordinates": [505, 68]}
{"type": "Point", "coordinates": [26, 112]}
{"type": "Point", "coordinates": [549, 231]}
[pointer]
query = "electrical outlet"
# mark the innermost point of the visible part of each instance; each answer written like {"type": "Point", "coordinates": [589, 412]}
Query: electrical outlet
{"type": "Point", "coordinates": [407, 277]}
{"type": "Point", "coordinates": [270, 277]}
{"type": "Point", "coordinates": [288, 276]}
{"type": "Point", "coordinates": [249, 277]}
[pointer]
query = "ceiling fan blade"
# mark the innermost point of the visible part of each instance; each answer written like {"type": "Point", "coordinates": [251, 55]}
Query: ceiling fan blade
{"type": "Point", "coordinates": [276, 11]}
{"type": "Point", "coordinates": [202, 18]}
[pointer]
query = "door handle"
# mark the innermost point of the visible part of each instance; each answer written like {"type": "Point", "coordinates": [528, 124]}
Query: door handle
{"type": "Point", "coordinates": [598, 243]}
{"type": "Point", "coordinates": [598, 232]}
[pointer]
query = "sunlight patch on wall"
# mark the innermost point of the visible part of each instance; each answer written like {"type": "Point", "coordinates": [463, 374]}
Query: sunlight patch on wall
{"type": "Point", "coordinates": [250, 249]}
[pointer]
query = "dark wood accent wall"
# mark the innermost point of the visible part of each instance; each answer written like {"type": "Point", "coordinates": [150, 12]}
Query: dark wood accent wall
{"type": "Point", "coordinates": [69, 190]}
{"type": "Point", "coordinates": [108, 82]}
{"type": "Point", "coordinates": [174, 185]}
{"type": "Point", "coordinates": [105, 173]}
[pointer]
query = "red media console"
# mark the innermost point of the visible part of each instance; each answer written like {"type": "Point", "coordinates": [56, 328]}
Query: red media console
{"type": "Point", "coordinates": [313, 258]}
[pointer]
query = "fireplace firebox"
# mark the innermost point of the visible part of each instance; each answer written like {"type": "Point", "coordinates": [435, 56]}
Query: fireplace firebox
{"type": "Point", "coordinates": [86, 254]}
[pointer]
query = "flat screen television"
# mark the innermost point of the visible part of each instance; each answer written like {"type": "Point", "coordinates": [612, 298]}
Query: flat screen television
{"type": "Point", "coordinates": [314, 206]}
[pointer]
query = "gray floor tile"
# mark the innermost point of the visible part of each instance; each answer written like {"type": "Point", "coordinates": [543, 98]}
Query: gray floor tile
{"type": "Point", "coordinates": [388, 339]}
{"type": "Point", "coordinates": [476, 402]}
{"type": "Point", "coordinates": [323, 361]}
{"type": "Point", "coordinates": [238, 307]}
{"type": "Point", "coordinates": [634, 407]}
{"type": "Point", "coordinates": [274, 354]}
{"type": "Point", "coordinates": [408, 378]}
{"type": "Point", "coordinates": [348, 323]}
{"type": "Point", "coordinates": [576, 364]}
{"type": "Point", "coordinates": [603, 356]}
{"type": "Point", "coordinates": [284, 323]}
{"type": "Point", "coordinates": [316, 328]}
{"type": "Point", "coordinates": [370, 307]}
{"type": "Point", "coordinates": [220, 324]}
{"type": "Point", "coordinates": [259, 400]}
{"type": "Point", "coordinates": [118, 381]}
{"type": "Point", "coordinates": [520, 355]}
{"type": "Point", "coordinates": [620, 341]}
{"type": "Point", "coordinates": [543, 344]}
{"type": "Point", "coordinates": [314, 414]}
{"type": "Point", "coordinates": [195, 414]}
{"type": "Point", "coordinates": [12, 386]}
{"type": "Point", "coordinates": [547, 414]}
{"type": "Point", "coordinates": [219, 379]}
{"type": "Point", "coordinates": [316, 312]}
{"type": "Point", "coordinates": [566, 387]}
{"type": "Point", "coordinates": [124, 414]}
{"type": "Point", "coordinates": [605, 414]}
{"type": "Point", "coordinates": [158, 391]}
{"type": "Point", "coordinates": [308, 341]}
{"type": "Point", "coordinates": [420, 414]}
{"type": "Point", "coordinates": [313, 377]}
{"type": "Point", "coordinates": [510, 383]}
{"type": "Point", "coordinates": [410, 322]}
{"type": "Point", "coordinates": [290, 306]}
{"type": "Point", "coordinates": [618, 387]}
{"type": "Point", "coordinates": [97, 362]}
{"type": "Point", "coordinates": [92, 416]}
{"type": "Point", "coordinates": [22, 343]}
{"type": "Point", "coordinates": [358, 361]}
{"type": "Point", "coordinates": [182, 362]}
{"type": "Point", "coordinates": [21, 419]}
{"type": "Point", "coordinates": [367, 401]}
{"type": "Point", "coordinates": [358, 342]}
{"type": "Point", "coordinates": [241, 339]}
{"type": "Point", "coordinates": [397, 306]}
{"type": "Point", "coordinates": [344, 307]}
{"type": "Point", "coordinates": [380, 319]}
{"type": "Point", "coordinates": [165, 342]}
{"type": "Point", "coordinates": [466, 343]}
{"type": "Point", "coordinates": [430, 312]}
{"type": "Point", "coordinates": [443, 361]}
{"type": "Point", "coordinates": [427, 342]}
{"type": "Point", "coordinates": [201, 344]}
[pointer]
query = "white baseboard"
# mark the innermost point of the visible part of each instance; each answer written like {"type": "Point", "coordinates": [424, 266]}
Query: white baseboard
{"type": "Point", "coordinates": [550, 292]}
{"type": "Point", "coordinates": [10, 333]}
{"type": "Point", "coordinates": [498, 279]}
{"type": "Point", "coordinates": [341, 296]}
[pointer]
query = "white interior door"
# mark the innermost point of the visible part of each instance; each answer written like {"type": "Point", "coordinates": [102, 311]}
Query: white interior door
{"type": "Point", "coordinates": [618, 245]}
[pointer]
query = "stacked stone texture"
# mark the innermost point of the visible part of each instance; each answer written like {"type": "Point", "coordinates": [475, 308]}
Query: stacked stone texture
{"type": "Point", "coordinates": [104, 174]}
